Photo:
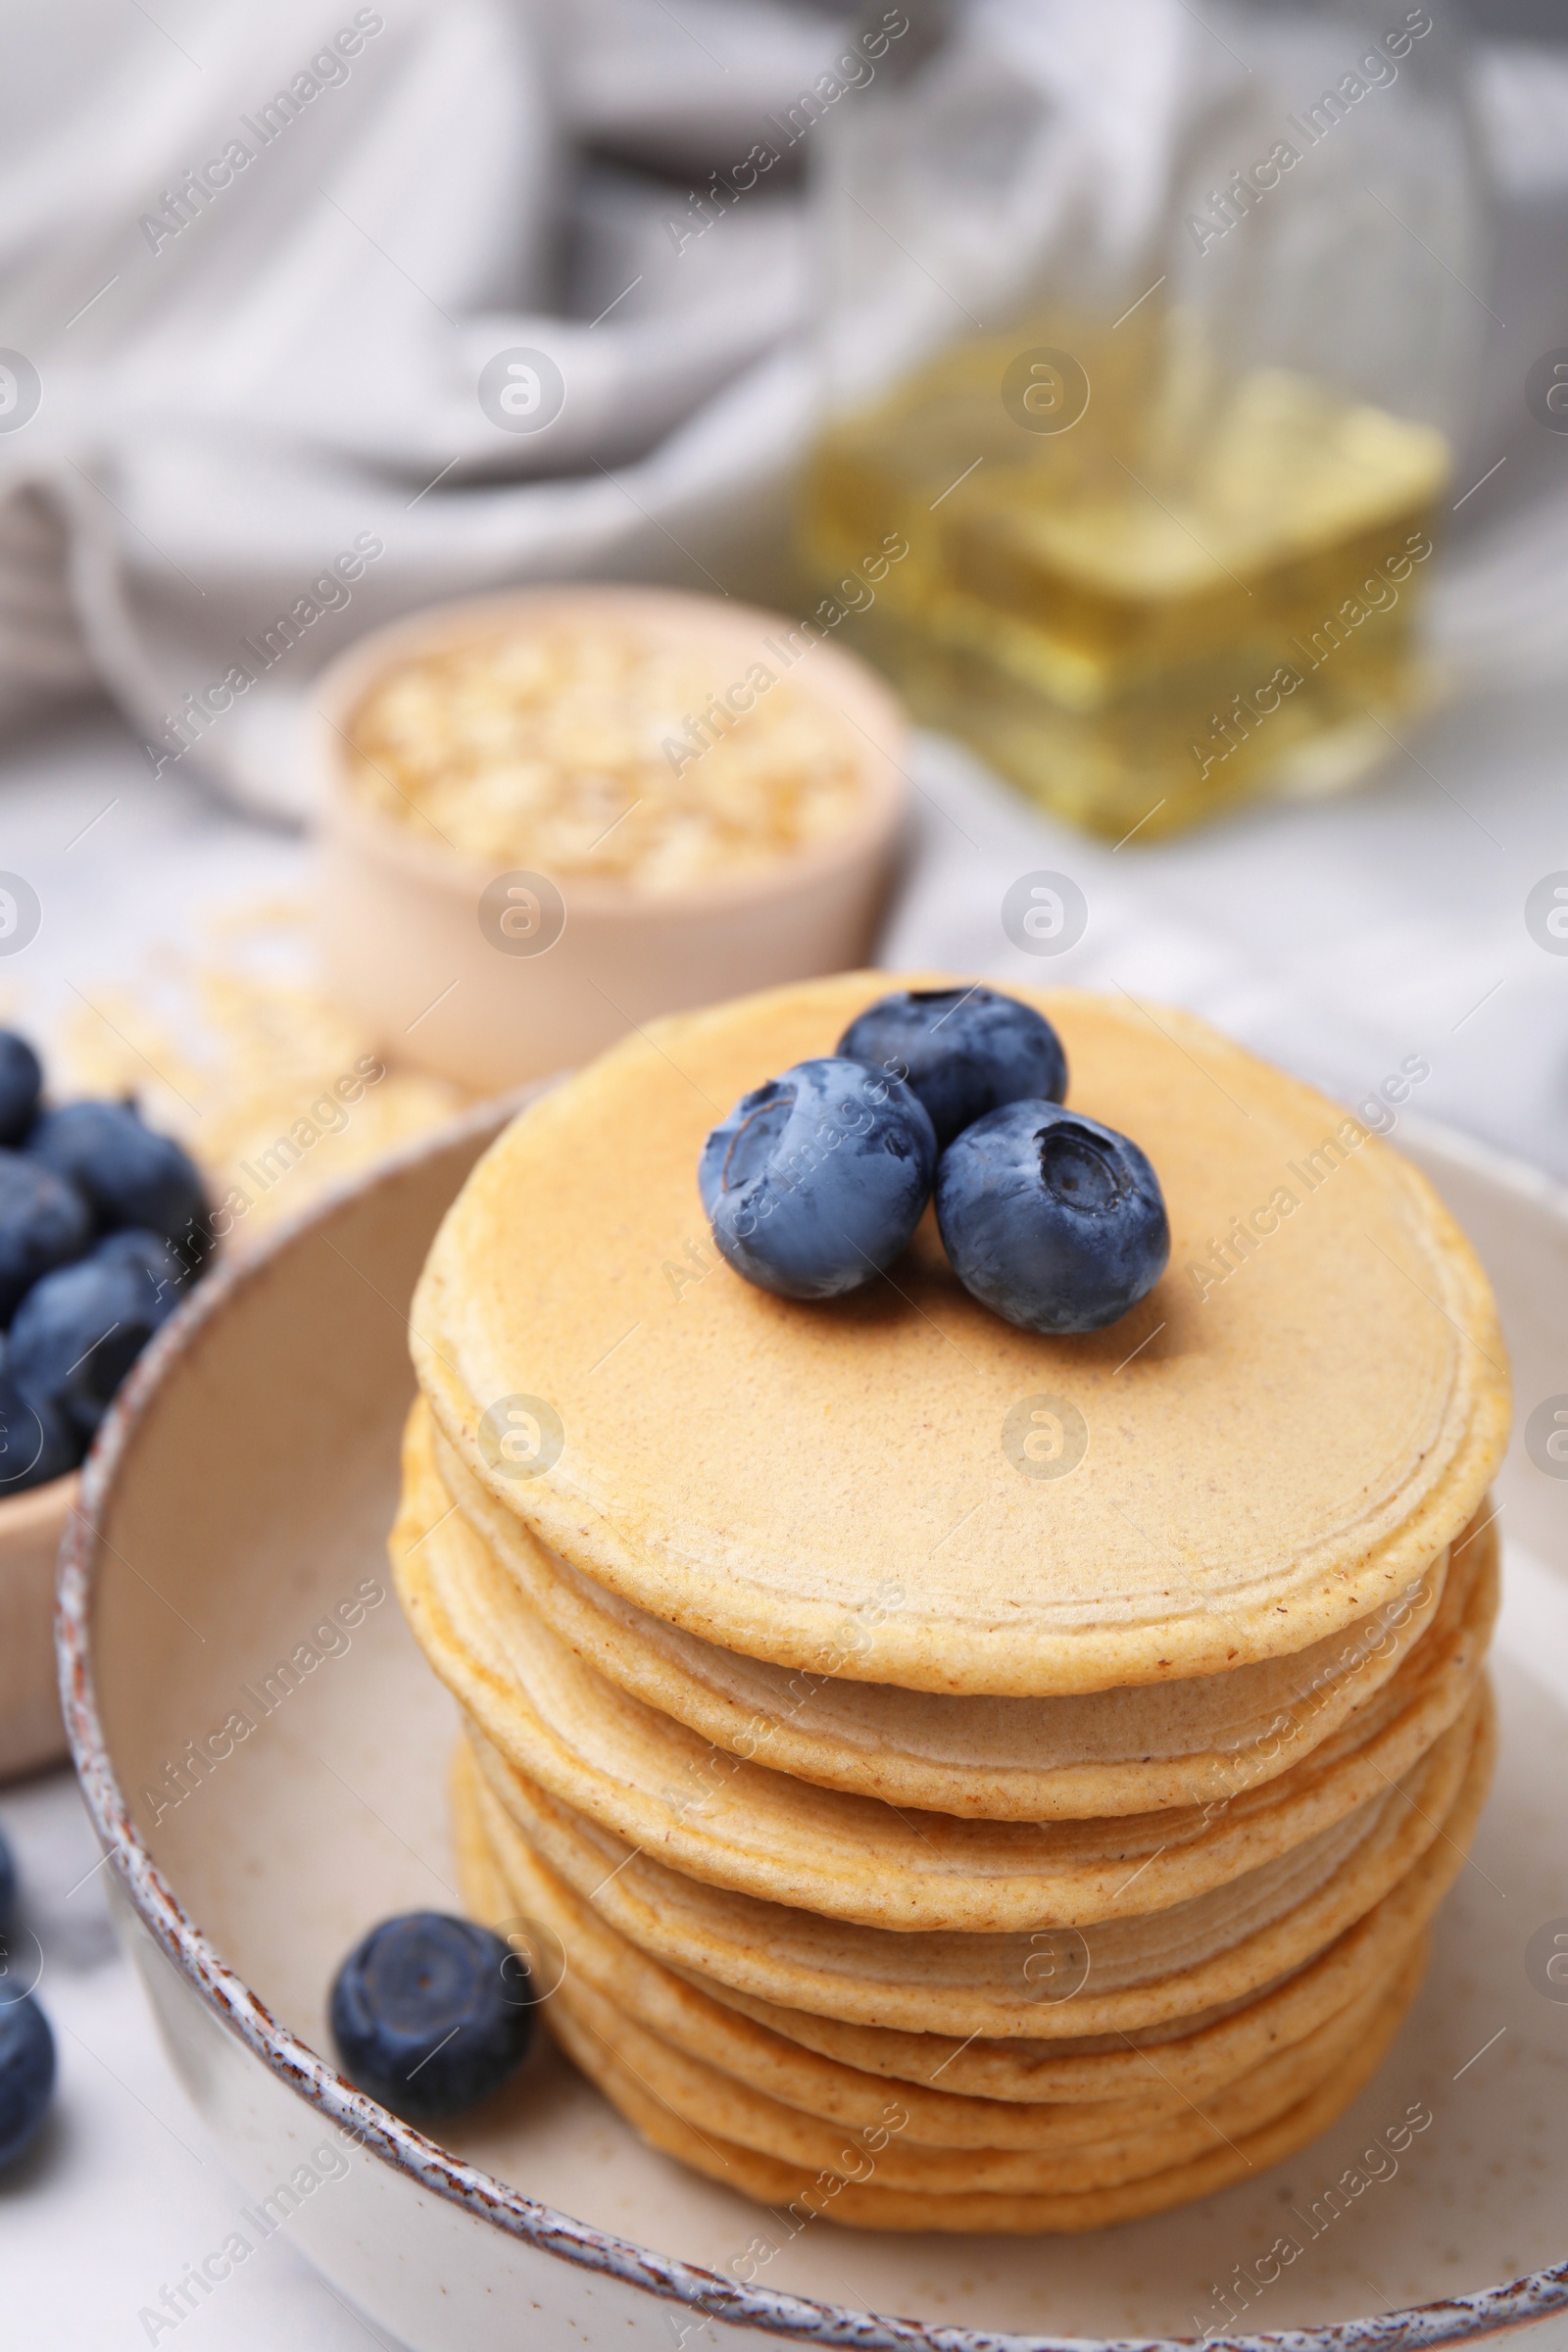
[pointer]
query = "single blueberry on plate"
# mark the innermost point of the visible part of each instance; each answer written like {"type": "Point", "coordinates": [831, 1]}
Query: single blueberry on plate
{"type": "Point", "coordinates": [36, 1443]}
{"type": "Point", "coordinates": [431, 2014]}
{"type": "Point", "coordinates": [1049, 1219]}
{"type": "Point", "coordinates": [129, 1175]}
{"type": "Point", "coordinates": [20, 1084]}
{"type": "Point", "coordinates": [44, 1223]}
{"type": "Point", "coordinates": [77, 1332]}
{"type": "Point", "coordinates": [816, 1179]}
{"type": "Point", "coordinates": [963, 1051]}
{"type": "Point", "coordinates": [26, 2074]}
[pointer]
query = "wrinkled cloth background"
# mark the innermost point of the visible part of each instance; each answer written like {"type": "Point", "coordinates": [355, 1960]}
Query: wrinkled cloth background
{"type": "Point", "coordinates": [230, 401]}
{"type": "Point", "coordinates": [297, 366]}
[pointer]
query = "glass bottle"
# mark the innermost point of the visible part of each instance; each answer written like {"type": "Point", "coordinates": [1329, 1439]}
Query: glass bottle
{"type": "Point", "coordinates": [1148, 332]}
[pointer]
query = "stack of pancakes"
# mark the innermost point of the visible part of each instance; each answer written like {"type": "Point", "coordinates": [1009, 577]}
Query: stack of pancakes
{"type": "Point", "coordinates": [972, 1780]}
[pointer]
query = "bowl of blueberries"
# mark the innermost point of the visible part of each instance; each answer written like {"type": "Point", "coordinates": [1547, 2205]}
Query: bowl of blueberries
{"type": "Point", "coordinates": [104, 1225]}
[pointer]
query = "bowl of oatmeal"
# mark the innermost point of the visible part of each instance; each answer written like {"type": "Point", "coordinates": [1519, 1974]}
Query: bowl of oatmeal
{"type": "Point", "coordinates": [552, 814]}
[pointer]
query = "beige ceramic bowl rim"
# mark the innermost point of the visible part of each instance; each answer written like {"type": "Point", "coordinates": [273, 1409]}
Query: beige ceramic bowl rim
{"type": "Point", "coordinates": [1454, 2320]}
{"type": "Point", "coordinates": [345, 681]}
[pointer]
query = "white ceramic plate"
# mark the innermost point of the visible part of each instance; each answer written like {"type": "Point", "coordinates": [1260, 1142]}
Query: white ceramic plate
{"type": "Point", "coordinates": [243, 1493]}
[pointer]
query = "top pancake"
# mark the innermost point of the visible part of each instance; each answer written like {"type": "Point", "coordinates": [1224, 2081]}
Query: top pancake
{"type": "Point", "coordinates": [838, 1487]}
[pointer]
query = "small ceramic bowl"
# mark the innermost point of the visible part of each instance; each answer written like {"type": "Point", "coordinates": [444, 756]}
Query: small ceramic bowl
{"type": "Point", "coordinates": [264, 1751]}
{"type": "Point", "coordinates": [31, 1731]}
{"type": "Point", "coordinates": [411, 942]}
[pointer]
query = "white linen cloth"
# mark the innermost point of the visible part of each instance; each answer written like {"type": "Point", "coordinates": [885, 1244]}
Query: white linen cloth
{"type": "Point", "coordinates": [240, 382]}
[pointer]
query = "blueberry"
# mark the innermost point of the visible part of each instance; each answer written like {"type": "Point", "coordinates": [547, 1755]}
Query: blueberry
{"type": "Point", "coordinates": [964, 1051]}
{"type": "Point", "coordinates": [129, 1175]}
{"type": "Point", "coordinates": [431, 2014]}
{"type": "Point", "coordinates": [77, 1333]}
{"type": "Point", "coordinates": [36, 1443]}
{"type": "Point", "coordinates": [26, 2074]}
{"type": "Point", "coordinates": [816, 1179]}
{"type": "Point", "coordinates": [44, 1223]}
{"type": "Point", "coordinates": [150, 1255]}
{"type": "Point", "coordinates": [1051, 1220]}
{"type": "Point", "coordinates": [21, 1082]}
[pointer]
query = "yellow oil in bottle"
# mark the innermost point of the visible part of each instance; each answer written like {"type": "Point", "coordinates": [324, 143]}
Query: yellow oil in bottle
{"type": "Point", "coordinates": [1197, 588]}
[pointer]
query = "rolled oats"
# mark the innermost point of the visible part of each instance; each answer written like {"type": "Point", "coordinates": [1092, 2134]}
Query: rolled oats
{"type": "Point", "coordinates": [570, 748]}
